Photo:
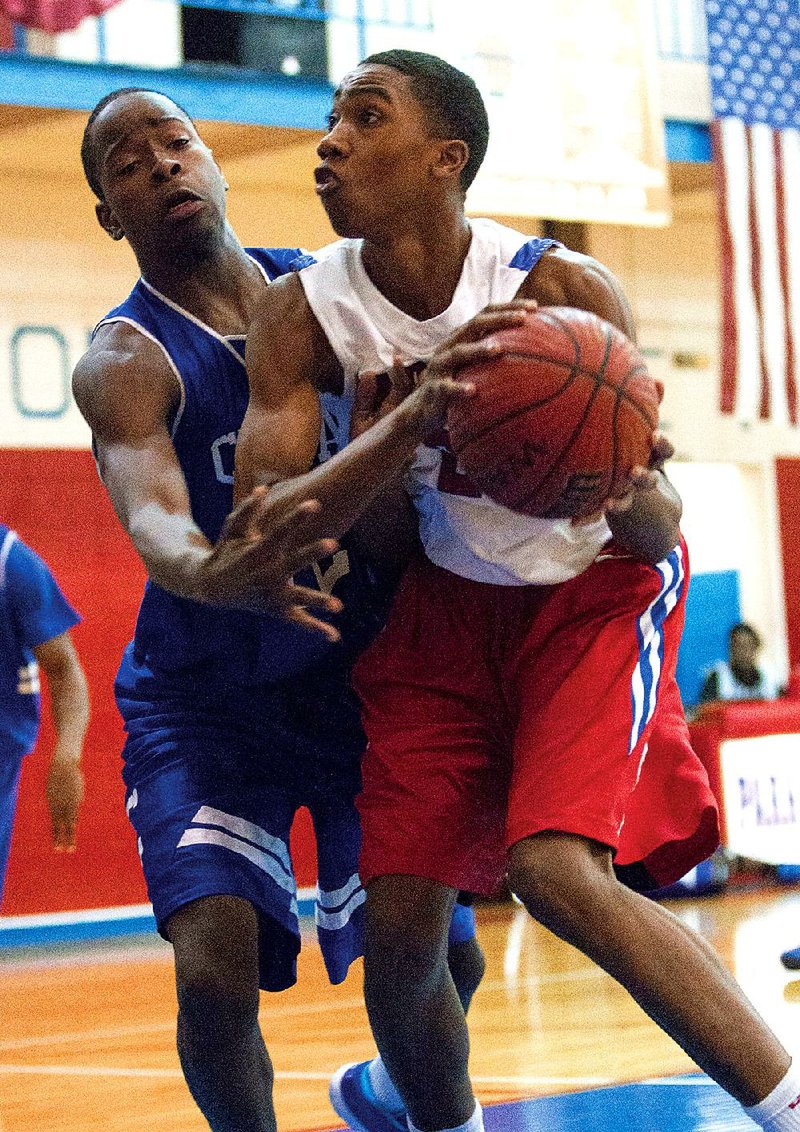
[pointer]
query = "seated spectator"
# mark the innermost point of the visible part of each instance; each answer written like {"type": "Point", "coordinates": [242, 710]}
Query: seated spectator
{"type": "Point", "coordinates": [740, 677]}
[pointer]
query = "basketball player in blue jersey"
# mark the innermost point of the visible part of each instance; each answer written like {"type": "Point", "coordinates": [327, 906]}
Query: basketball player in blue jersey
{"type": "Point", "coordinates": [506, 732]}
{"type": "Point", "coordinates": [236, 714]}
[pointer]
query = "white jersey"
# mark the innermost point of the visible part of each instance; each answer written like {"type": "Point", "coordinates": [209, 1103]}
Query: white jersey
{"type": "Point", "coordinates": [462, 530]}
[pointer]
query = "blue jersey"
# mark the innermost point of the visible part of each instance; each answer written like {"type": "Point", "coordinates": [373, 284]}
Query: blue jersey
{"type": "Point", "coordinates": [188, 641]}
{"type": "Point", "coordinates": [33, 610]}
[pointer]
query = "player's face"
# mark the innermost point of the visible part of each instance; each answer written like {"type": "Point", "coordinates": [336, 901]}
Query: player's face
{"type": "Point", "coordinates": [377, 155]}
{"type": "Point", "coordinates": [161, 185]}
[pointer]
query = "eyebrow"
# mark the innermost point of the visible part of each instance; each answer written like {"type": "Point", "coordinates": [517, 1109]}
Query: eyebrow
{"type": "Point", "coordinates": [149, 122]}
{"type": "Point", "coordinates": [364, 88]}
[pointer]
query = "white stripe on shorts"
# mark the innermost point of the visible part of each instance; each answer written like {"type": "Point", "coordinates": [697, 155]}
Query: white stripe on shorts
{"type": "Point", "coordinates": [334, 921]}
{"type": "Point", "coordinates": [338, 896]}
{"type": "Point", "coordinates": [651, 643]}
{"type": "Point", "coordinates": [209, 815]}
{"type": "Point", "coordinates": [264, 861]}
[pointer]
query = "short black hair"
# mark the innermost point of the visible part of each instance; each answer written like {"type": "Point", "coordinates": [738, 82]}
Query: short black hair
{"type": "Point", "coordinates": [451, 99]}
{"type": "Point", "coordinates": [88, 156]}
{"type": "Point", "coordinates": [743, 627]}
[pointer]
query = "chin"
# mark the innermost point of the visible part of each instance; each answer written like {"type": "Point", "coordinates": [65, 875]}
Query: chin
{"type": "Point", "coordinates": [343, 225]}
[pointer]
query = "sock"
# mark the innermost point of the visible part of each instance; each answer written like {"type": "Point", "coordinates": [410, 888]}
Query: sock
{"type": "Point", "coordinates": [380, 1082]}
{"type": "Point", "coordinates": [474, 1124]}
{"type": "Point", "coordinates": [780, 1111]}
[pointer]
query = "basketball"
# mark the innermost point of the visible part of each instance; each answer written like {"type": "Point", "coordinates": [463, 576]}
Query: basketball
{"type": "Point", "coordinates": [558, 419]}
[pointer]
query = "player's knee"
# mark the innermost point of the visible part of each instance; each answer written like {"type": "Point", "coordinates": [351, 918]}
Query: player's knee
{"type": "Point", "coordinates": [213, 995]}
{"type": "Point", "coordinates": [216, 963]}
{"type": "Point", "coordinates": [405, 930]}
{"type": "Point", "coordinates": [561, 879]}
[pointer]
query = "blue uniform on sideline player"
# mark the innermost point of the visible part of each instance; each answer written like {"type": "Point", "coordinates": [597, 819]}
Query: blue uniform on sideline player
{"type": "Point", "coordinates": [236, 714]}
{"type": "Point", "coordinates": [35, 623]}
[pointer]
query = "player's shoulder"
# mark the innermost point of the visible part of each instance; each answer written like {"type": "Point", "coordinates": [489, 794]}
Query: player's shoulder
{"type": "Point", "coordinates": [284, 324]}
{"type": "Point", "coordinates": [124, 372]}
{"type": "Point", "coordinates": [118, 350]}
{"type": "Point", "coordinates": [24, 571]}
{"type": "Point", "coordinates": [562, 274]}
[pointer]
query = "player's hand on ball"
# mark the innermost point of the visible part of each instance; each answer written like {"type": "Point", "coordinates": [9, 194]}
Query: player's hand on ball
{"type": "Point", "coordinates": [642, 479]}
{"type": "Point", "coordinates": [263, 544]}
{"type": "Point", "coordinates": [438, 387]}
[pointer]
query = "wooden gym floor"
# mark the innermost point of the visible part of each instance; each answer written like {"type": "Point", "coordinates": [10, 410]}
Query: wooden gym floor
{"type": "Point", "coordinates": [87, 1033]}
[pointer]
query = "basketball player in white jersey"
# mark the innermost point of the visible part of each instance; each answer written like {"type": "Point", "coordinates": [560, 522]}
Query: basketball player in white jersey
{"type": "Point", "coordinates": [521, 705]}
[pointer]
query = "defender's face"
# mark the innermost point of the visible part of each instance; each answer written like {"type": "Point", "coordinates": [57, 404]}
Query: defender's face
{"type": "Point", "coordinates": [160, 182]}
{"type": "Point", "coordinates": [377, 154]}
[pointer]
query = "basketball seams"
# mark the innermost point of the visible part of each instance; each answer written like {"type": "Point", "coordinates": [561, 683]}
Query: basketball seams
{"type": "Point", "coordinates": [605, 384]}
{"type": "Point", "coordinates": [565, 451]}
{"type": "Point", "coordinates": [575, 370]}
{"type": "Point", "coordinates": [498, 422]}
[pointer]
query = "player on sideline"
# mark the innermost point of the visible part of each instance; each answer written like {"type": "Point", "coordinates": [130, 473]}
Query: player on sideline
{"type": "Point", "coordinates": [505, 729]}
{"type": "Point", "coordinates": [234, 717]}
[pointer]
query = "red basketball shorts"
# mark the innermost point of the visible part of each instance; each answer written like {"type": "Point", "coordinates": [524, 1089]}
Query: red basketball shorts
{"type": "Point", "coordinates": [494, 713]}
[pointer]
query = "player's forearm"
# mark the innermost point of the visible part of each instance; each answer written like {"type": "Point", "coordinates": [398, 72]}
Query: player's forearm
{"type": "Point", "coordinates": [649, 529]}
{"type": "Point", "coordinates": [172, 548]}
{"type": "Point", "coordinates": [348, 483]}
{"type": "Point", "coordinates": [69, 699]}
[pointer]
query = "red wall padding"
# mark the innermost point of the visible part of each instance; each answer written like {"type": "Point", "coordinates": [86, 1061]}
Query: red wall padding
{"type": "Point", "coordinates": [788, 479]}
{"type": "Point", "coordinates": [55, 501]}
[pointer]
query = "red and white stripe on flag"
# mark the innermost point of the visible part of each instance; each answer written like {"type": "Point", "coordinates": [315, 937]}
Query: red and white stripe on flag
{"type": "Point", "coordinates": [754, 60]}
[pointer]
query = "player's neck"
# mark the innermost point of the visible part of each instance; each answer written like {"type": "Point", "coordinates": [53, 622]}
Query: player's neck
{"type": "Point", "coordinates": [417, 269]}
{"type": "Point", "coordinates": [221, 288]}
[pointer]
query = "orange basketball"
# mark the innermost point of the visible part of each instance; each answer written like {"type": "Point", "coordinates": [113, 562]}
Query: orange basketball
{"type": "Point", "coordinates": [559, 418]}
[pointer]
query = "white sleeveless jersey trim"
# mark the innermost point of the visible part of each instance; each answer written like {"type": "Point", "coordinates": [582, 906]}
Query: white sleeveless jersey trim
{"type": "Point", "coordinates": [473, 537]}
{"type": "Point", "coordinates": [170, 361]}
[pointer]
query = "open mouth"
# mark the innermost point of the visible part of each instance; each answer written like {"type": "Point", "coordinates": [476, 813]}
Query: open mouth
{"type": "Point", "coordinates": [182, 203]}
{"type": "Point", "coordinates": [327, 181]}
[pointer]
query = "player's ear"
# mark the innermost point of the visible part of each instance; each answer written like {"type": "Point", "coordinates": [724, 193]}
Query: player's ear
{"type": "Point", "coordinates": [108, 221]}
{"type": "Point", "coordinates": [453, 156]}
{"type": "Point", "coordinates": [659, 384]}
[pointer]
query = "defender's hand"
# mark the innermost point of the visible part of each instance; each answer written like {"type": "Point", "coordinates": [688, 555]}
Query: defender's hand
{"type": "Point", "coordinates": [262, 546]}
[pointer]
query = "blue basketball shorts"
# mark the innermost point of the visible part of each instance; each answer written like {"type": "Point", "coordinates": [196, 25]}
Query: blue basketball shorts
{"type": "Point", "coordinates": [214, 780]}
{"type": "Point", "coordinates": [10, 769]}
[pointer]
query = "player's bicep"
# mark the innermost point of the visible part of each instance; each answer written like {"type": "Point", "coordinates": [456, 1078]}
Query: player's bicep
{"type": "Point", "coordinates": [280, 432]}
{"type": "Point", "coordinates": [569, 279]}
{"type": "Point", "coordinates": [128, 395]}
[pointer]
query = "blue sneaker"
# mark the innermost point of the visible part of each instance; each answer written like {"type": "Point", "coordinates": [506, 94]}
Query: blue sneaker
{"type": "Point", "coordinates": [353, 1099]}
{"type": "Point", "coordinates": [791, 959]}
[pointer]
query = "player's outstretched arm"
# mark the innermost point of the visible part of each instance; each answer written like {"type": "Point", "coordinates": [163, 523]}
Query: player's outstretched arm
{"type": "Point", "coordinates": [128, 393]}
{"type": "Point", "coordinates": [289, 361]}
{"type": "Point", "coordinates": [645, 517]}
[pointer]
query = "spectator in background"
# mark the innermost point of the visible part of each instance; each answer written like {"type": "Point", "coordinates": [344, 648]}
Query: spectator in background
{"type": "Point", "coordinates": [740, 677]}
{"type": "Point", "coordinates": [35, 620]}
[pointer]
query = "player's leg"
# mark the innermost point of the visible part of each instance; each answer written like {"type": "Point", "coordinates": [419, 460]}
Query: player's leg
{"type": "Point", "coordinates": [567, 883]}
{"type": "Point", "coordinates": [205, 798]}
{"type": "Point", "coordinates": [585, 781]}
{"type": "Point", "coordinates": [414, 1009]}
{"type": "Point", "coordinates": [432, 808]}
{"type": "Point", "coordinates": [364, 1093]}
{"type": "Point", "coordinates": [222, 1052]}
{"type": "Point", "coordinates": [465, 958]}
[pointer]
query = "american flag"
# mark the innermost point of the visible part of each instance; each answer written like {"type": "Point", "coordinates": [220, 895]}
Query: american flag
{"type": "Point", "coordinates": [754, 60]}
